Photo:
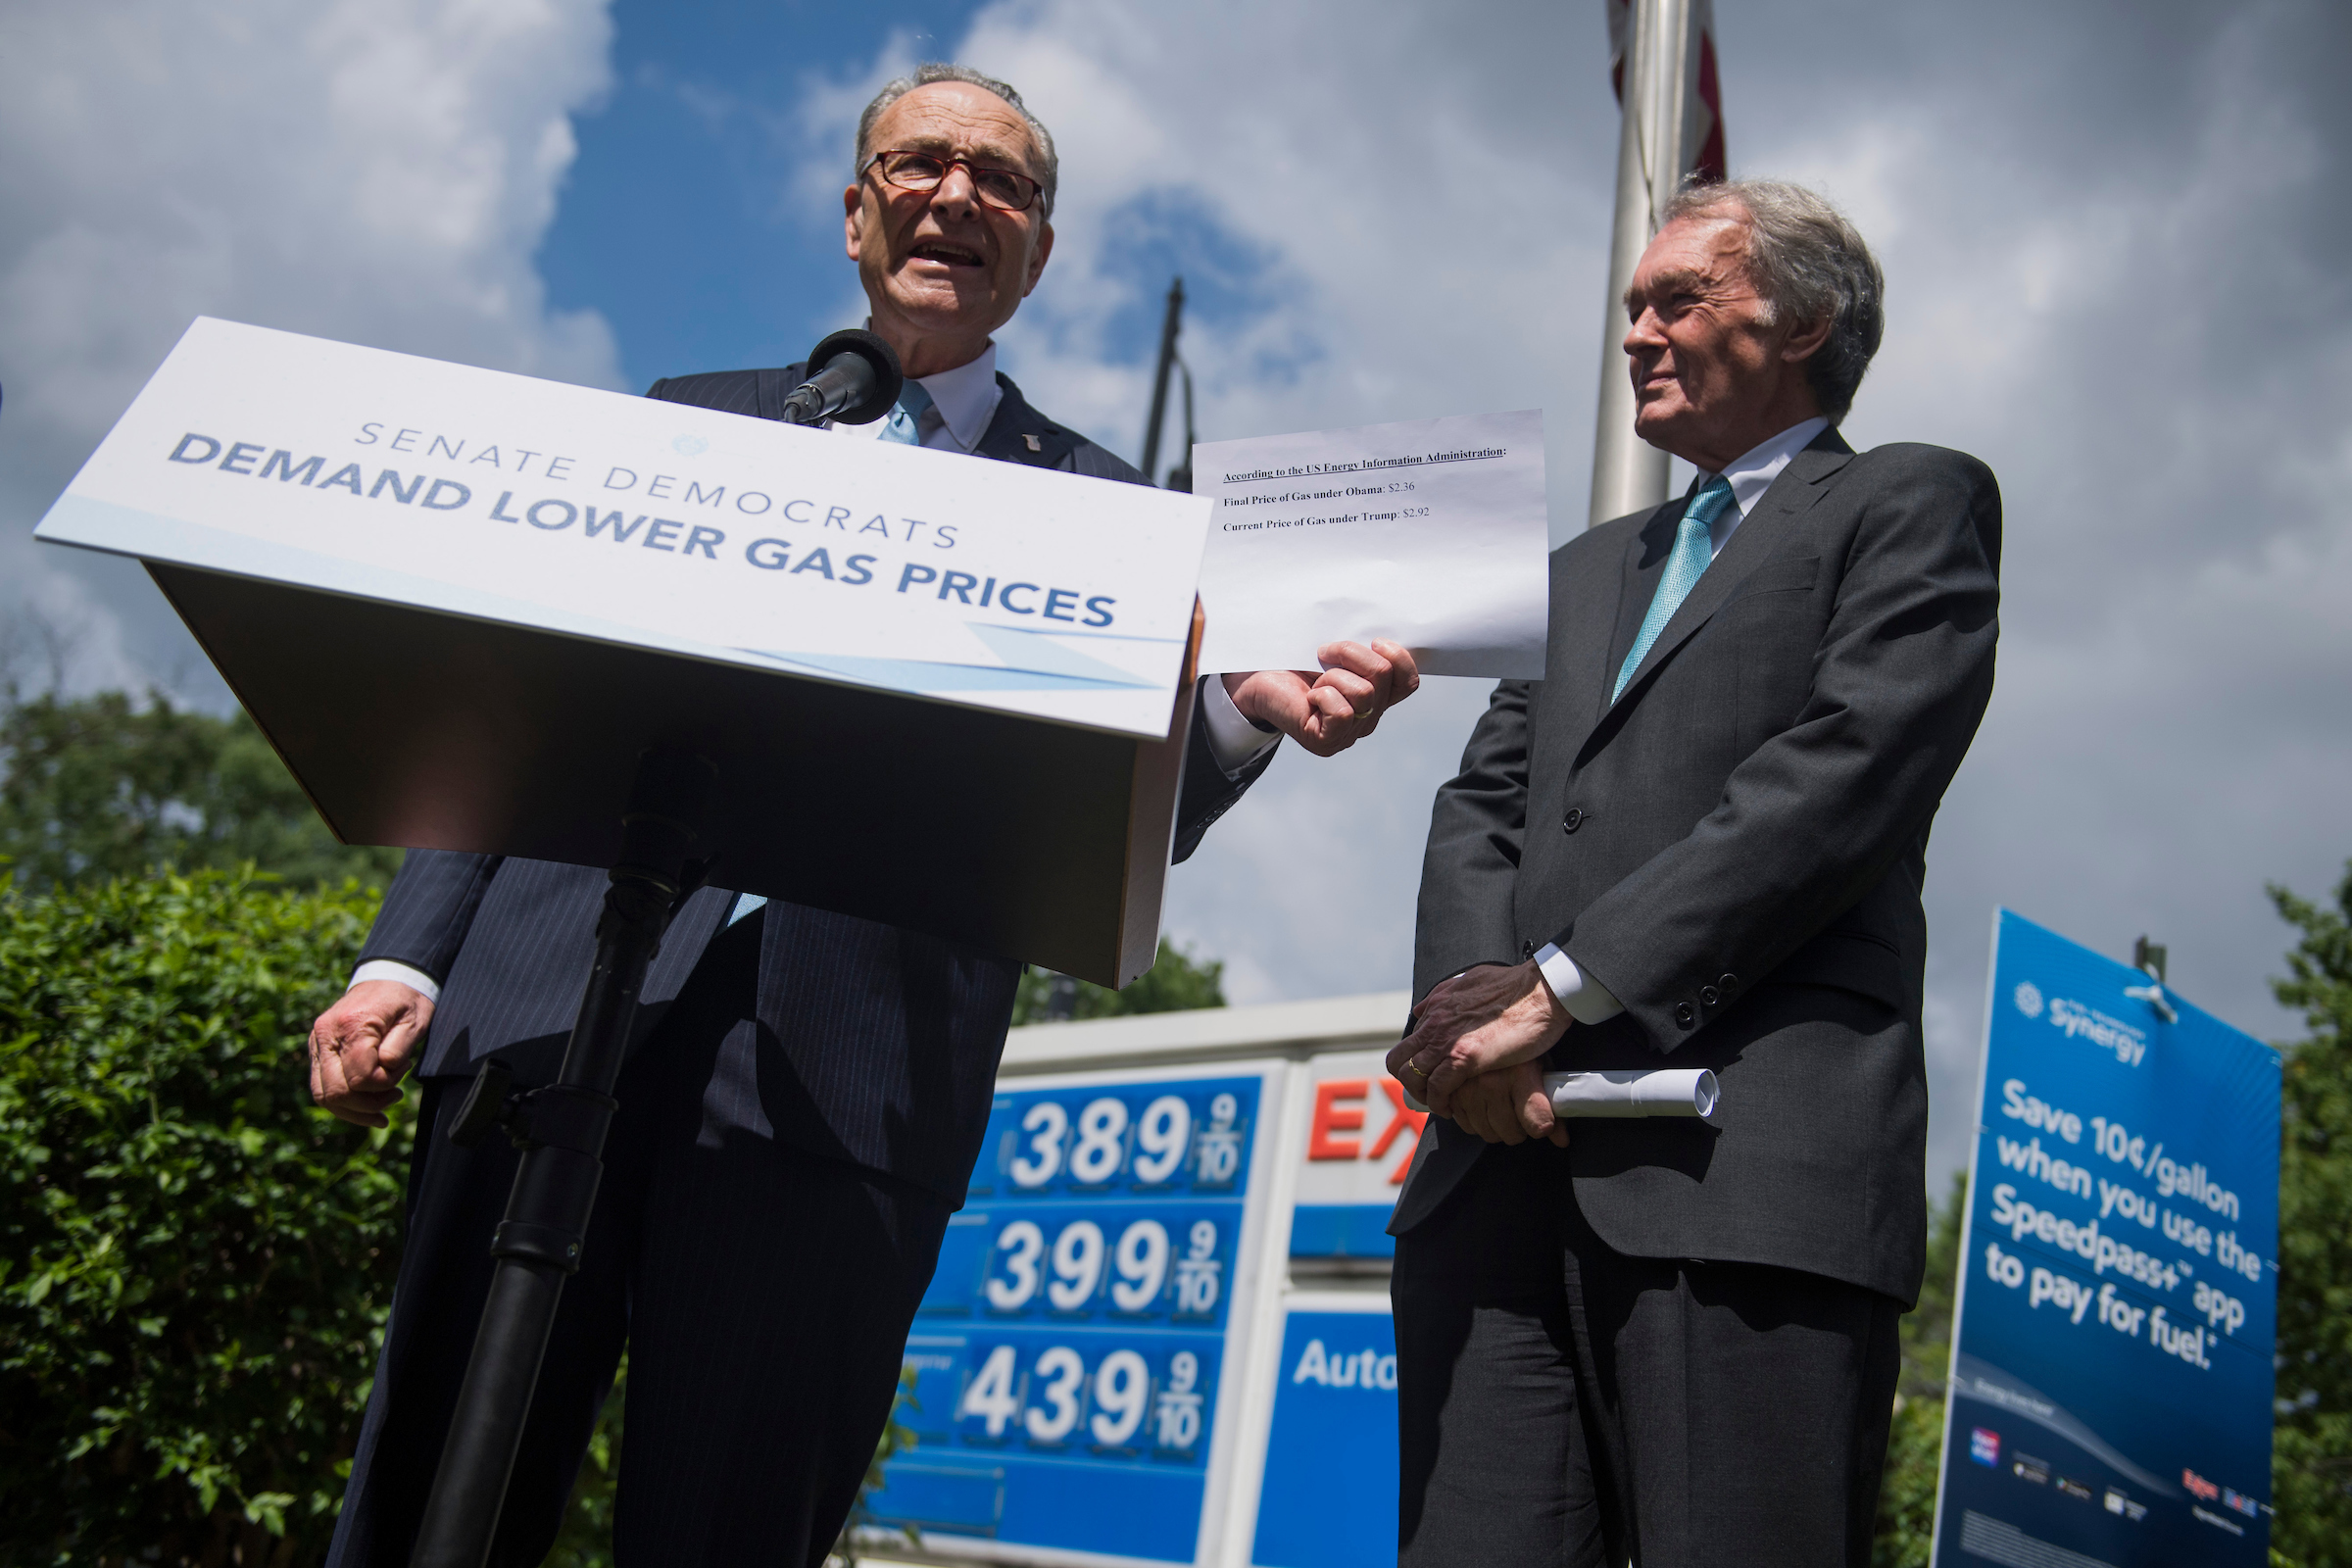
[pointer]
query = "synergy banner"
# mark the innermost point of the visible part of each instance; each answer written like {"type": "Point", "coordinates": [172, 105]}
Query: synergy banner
{"type": "Point", "coordinates": [2111, 1378]}
{"type": "Point", "coordinates": [622, 520]}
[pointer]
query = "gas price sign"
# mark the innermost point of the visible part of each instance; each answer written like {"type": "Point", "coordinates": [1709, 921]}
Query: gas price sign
{"type": "Point", "coordinates": [1069, 1353]}
{"type": "Point", "coordinates": [2111, 1370]}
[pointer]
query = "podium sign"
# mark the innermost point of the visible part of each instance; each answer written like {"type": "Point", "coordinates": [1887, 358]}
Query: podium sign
{"type": "Point", "coordinates": [2111, 1385]}
{"type": "Point", "coordinates": [943, 692]}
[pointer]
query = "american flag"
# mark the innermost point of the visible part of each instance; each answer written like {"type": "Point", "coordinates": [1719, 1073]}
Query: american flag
{"type": "Point", "coordinates": [1710, 163]}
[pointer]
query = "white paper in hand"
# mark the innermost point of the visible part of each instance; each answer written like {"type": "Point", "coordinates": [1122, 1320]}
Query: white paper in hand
{"type": "Point", "coordinates": [1430, 533]}
{"type": "Point", "coordinates": [1634, 1092]}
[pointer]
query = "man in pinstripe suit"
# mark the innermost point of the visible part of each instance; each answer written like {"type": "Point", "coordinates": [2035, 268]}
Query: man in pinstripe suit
{"type": "Point", "coordinates": [806, 1092]}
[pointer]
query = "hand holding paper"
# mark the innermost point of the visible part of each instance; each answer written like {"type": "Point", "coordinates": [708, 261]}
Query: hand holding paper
{"type": "Point", "coordinates": [1430, 533]}
{"type": "Point", "coordinates": [1329, 712]}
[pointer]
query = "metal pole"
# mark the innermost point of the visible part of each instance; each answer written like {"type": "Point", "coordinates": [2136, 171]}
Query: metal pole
{"type": "Point", "coordinates": [1160, 380]}
{"type": "Point", "coordinates": [562, 1130]}
{"type": "Point", "coordinates": [1653, 150]}
{"type": "Point", "coordinates": [1180, 477]}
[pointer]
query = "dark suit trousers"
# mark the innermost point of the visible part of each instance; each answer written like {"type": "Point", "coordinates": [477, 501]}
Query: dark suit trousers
{"type": "Point", "coordinates": [764, 1297]}
{"type": "Point", "coordinates": [1560, 1403]}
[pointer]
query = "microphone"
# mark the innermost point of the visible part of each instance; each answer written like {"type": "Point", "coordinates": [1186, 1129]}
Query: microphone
{"type": "Point", "coordinates": [853, 378]}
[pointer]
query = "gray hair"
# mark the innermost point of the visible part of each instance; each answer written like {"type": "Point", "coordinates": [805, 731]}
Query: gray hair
{"type": "Point", "coordinates": [1807, 259]}
{"type": "Point", "coordinates": [1049, 166]}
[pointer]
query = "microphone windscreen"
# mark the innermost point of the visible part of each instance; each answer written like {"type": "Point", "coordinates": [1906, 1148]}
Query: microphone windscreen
{"type": "Point", "coordinates": [857, 376]}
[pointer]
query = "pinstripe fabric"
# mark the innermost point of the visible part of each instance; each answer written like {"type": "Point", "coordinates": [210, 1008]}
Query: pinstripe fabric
{"type": "Point", "coordinates": [764, 1297]}
{"type": "Point", "coordinates": [891, 1037]}
{"type": "Point", "coordinates": [513, 925]}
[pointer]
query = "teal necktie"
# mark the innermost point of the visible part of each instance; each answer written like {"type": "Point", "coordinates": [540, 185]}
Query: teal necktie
{"type": "Point", "coordinates": [905, 425]}
{"type": "Point", "coordinates": [1692, 550]}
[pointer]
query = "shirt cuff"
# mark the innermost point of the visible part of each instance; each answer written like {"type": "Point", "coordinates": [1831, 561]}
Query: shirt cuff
{"type": "Point", "coordinates": [1587, 999]}
{"type": "Point", "coordinates": [416, 980]}
{"type": "Point", "coordinates": [1233, 740]}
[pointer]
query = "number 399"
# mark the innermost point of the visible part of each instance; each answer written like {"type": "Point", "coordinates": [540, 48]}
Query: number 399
{"type": "Point", "coordinates": [1071, 1271]}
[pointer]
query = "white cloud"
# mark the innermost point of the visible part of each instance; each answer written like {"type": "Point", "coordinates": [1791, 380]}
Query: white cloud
{"type": "Point", "coordinates": [377, 171]}
{"type": "Point", "coordinates": [2104, 278]}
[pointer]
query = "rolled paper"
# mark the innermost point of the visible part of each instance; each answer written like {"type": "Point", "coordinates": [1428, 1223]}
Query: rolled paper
{"type": "Point", "coordinates": [1632, 1092]}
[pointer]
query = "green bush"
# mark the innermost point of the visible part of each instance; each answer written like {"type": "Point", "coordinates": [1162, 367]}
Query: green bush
{"type": "Point", "coordinates": [194, 1261]}
{"type": "Point", "coordinates": [2311, 1463]}
{"type": "Point", "coordinates": [1915, 1443]}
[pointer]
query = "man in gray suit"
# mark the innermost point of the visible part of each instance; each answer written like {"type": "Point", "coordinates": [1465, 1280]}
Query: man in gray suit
{"type": "Point", "coordinates": [1699, 841]}
{"type": "Point", "coordinates": [806, 1092]}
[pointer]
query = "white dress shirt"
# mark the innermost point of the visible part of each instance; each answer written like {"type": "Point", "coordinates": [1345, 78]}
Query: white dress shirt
{"type": "Point", "coordinates": [963, 403]}
{"type": "Point", "coordinates": [1587, 999]}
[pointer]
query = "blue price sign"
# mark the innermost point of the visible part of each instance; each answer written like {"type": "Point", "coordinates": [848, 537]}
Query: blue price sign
{"type": "Point", "coordinates": [1067, 1355]}
{"type": "Point", "coordinates": [2111, 1371]}
{"type": "Point", "coordinates": [1329, 1498]}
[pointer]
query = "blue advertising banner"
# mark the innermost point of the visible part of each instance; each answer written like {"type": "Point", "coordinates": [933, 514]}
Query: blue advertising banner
{"type": "Point", "coordinates": [1068, 1352]}
{"type": "Point", "coordinates": [2111, 1379]}
{"type": "Point", "coordinates": [1330, 1492]}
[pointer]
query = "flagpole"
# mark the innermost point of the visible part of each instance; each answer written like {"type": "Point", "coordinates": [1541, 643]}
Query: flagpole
{"type": "Point", "coordinates": [1668, 129]}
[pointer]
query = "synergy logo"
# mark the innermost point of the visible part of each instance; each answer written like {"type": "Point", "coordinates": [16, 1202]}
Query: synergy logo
{"type": "Point", "coordinates": [2080, 1021]}
{"type": "Point", "coordinates": [1985, 1446]}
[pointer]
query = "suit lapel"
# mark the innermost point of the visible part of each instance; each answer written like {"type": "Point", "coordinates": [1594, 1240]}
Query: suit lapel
{"type": "Point", "coordinates": [1018, 434]}
{"type": "Point", "coordinates": [1789, 497]}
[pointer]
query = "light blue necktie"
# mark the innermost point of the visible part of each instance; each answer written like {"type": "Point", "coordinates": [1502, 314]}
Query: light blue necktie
{"type": "Point", "coordinates": [905, 425]}
{"type": "Point", "coordinates": [1693, 551]}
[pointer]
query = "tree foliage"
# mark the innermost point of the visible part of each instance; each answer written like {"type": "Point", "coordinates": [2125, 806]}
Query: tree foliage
{"type": "Point", "coordinates": [2311, 1469]}
{"type": "Point", "coordinates": [1915, 1441]}
{"type": "Point", "coordinates": [101, 785]}
{"type": "Point", "coordinates": [1177, 982]}
{"type": "Point", "coordinates": [194, 1261]}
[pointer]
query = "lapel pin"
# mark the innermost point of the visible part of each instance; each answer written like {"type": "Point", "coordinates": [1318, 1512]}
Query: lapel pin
{"type": "Point", "coordinates": [1035, 445]}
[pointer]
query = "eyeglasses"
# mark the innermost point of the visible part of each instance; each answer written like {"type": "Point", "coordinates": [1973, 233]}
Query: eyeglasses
{"type": "Point", "coordinates": [1007, 190]}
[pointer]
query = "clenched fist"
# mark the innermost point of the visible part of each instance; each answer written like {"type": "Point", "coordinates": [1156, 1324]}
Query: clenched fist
{"type": "Point", "coordinates": [363, 1046]}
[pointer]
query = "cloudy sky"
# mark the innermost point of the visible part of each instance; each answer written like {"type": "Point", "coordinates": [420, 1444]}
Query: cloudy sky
{"type": "Point", "coordinates": [2116, 275]}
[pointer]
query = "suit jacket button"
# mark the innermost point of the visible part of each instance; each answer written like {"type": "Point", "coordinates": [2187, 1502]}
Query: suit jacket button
{"type": "Point", "coordinates": [1727, 984]}
{"type": "Point", "coordinates": [1527, 951]}
{"type": "Point", "coordinates": [1684, 1015]}
{"type": "Point", "coordinates": [1573, 821]}
{"type": "Point", "coordinates": [1709, 996]}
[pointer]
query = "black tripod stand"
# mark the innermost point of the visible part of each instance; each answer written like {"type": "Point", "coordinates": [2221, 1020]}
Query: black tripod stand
{"type": "Point", "coordinates": [561, 1130]}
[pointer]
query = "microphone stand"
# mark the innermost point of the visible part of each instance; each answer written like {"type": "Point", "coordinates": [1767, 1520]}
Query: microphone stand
{"type": "Point", "coordinates": [561, 1130]}
{"type": "Point", "coordinates": [855, 378]}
